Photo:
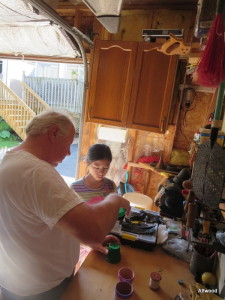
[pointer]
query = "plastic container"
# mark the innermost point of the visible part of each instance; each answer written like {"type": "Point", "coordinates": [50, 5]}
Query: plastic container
{"type": "Point", "coordinates": [205, 136]}
{"type": "Point", "coordinates": [113, 255]}
{"type": "Point", "coordinates": [123, 290]}
{"type": "Point", "coordinates": [121, 214]}
{"type": "Point", "coordinates": [126, 274]}
{"type": "Point", "coordinates": [200, 263]}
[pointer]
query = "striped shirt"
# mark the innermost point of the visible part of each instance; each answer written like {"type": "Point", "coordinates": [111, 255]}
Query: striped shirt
{"type": "Point", "coordinates": [93, 196]}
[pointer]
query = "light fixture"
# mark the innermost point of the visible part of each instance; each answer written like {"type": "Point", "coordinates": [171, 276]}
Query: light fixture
{"type": "Point", "coordinates": [107, 12]}
{"type": "Point", "coordinates": [112, 134]}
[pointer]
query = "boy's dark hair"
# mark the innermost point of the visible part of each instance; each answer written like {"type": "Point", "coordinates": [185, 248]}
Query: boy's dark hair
{"type": "Point", "coordinates": [98, 152]}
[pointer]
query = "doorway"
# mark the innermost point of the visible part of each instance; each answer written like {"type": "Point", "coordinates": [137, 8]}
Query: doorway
{"type": "Point", "coordinates": [60, 85]}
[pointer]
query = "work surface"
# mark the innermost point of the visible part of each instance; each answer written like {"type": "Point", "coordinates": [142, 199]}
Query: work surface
{"type": "Point", "coordinates": [96, 279]}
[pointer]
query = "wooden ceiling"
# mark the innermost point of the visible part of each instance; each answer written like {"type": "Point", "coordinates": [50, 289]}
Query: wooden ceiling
{"type": "Point", "coordinates": [77, 14]}
{"type": "Point", "coordinates": [139, 4]}
{"type": "Point", "coordinates": [160, 3]}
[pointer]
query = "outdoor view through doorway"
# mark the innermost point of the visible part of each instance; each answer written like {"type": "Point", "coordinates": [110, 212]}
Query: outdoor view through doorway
{"type": "Point", "coordinates": [60, 86]}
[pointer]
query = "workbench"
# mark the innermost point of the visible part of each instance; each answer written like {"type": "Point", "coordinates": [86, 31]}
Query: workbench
{"type": "Point", "coordinates": [96, 279]}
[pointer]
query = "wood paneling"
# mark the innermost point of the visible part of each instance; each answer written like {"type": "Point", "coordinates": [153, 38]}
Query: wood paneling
{"type": "Point", "coordinates": [127, 31]}
{"type": "Point", "coordinates": [147, 181]}
{"type": "Point", "coordinates": [144, 14]}
{"type": "Point", "coordinates": [175, 19]}
{"type": "Point", "coordinates": [192, 120]}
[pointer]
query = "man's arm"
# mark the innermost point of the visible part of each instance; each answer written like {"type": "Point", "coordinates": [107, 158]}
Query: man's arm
{"type": "Point", "coordinates": [91, 223]}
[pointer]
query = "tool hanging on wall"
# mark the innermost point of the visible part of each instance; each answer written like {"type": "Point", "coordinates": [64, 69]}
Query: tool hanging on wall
{"type": "Point", "coordinates": [174, 46]}
{"type": "Point", "coordinates": [190, 199]}
{"type": "Point", "coordinates": [191, 214]}
{"type": "Point", "coordinates": [209, 168]}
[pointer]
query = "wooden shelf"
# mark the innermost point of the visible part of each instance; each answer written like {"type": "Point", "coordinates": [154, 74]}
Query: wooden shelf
{"type": "Point", "coordinates": [164, 173]}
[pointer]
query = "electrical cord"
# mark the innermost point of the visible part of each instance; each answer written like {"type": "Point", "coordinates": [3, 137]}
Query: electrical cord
{"type": "Point", "coordinates": [179, 126]}
{"type": "Point", "coordinates": [189, 97]}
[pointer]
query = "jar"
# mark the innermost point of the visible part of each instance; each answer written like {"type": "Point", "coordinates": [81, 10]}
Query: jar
{"type": "Point", "coordinates": [154, 281]}
{"type": "Point", "coordinates": [113, 255]}
{"type": "Point", "coordinates": [123, 290]}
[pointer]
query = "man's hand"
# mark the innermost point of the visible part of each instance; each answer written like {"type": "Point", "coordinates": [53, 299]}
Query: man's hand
{"type": "Point", "coordinates": [125, 204]}
{"type": "Point", "coordinates": [108, 239]}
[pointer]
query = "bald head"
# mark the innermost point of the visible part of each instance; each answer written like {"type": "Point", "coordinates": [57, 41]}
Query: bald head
{"type": "Point", "coordinates": [41, 123]}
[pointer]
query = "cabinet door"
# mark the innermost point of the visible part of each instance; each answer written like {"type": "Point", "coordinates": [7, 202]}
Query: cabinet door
{"type": "Point", "coordinates": [152, 88]}
{"type": "Point", "coordinates": [111, 82]}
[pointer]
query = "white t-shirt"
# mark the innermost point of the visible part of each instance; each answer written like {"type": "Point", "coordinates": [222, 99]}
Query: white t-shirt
{"type": "Point", "coordinates": [34, 255]}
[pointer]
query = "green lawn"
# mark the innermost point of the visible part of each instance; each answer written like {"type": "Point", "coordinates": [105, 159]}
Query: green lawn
{"type": "Point", "coordinates": [8, 144]}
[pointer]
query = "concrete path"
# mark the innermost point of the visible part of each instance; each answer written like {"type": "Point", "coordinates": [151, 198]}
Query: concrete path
{"type": "Point", "coordinates": [66, 169]}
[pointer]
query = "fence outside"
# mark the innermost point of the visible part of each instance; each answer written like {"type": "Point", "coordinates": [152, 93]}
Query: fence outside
{"type": "Point", "coordinates": [59, 93]}
{"type": "Point", "coordinates": [35, 102]}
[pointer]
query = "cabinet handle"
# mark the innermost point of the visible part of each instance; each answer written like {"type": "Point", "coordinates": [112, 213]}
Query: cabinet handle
{"type": "Point", "coordinates": [89, 113]}
{"type": "Point", "coordinates": [162, 124]}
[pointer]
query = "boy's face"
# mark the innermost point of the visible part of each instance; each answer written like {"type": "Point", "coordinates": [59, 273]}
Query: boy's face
{"type": "Point", "coordinates": [99, 168]}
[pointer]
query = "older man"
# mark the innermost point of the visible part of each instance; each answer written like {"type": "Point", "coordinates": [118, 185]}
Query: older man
{"type": "Point", "coordinates": [42, 221]}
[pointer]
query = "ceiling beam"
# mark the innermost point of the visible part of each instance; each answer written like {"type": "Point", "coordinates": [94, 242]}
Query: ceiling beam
{"type": "Point", "coordinates": [132, 5]}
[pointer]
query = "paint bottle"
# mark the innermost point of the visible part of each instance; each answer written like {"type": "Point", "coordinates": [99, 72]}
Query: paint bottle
{"type": "Point", "coordinates": [154, 281]}
{"type": "Point", "coordinates": [113, 255]}
{"type": "Point", "coordinates": [126, 274]}
{"type": "Point", "coordinates": [123, 290]}
{"type": "Point", "coordinates": [121, 214]}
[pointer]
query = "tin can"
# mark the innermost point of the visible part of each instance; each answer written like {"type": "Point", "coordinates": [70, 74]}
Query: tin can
{"type": "Point", "coordinates": [154, 280]}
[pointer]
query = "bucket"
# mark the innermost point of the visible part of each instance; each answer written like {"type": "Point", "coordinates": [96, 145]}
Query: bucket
{"type": "Point", "coordinates": [121, 188]}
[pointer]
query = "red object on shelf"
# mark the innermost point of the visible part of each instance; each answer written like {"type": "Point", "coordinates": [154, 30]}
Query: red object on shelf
{"type": "Point", "coordinates": [149, 159]}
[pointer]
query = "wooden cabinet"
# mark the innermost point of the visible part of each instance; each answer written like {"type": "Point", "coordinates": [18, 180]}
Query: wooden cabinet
{"type": "Point", "coordinates": [152, 89]}
{"type": "Point", "coordinates": [111, 82]}
{"type": "Point", "coordinates": [131, 85]}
